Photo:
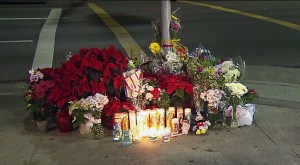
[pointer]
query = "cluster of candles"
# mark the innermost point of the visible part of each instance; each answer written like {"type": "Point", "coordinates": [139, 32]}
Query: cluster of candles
{"type": "Point", "coordinates": [153, 123]}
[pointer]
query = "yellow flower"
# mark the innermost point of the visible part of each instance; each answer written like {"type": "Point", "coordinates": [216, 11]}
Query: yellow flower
{"type": "Point", "coordinates": [212, 71]}
{"type": "Point", "coordinates": [154, 48]}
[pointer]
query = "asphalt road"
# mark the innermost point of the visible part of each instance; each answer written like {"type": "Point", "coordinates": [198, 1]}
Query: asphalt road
{"type": "Point", "coordinates": [226, 34]}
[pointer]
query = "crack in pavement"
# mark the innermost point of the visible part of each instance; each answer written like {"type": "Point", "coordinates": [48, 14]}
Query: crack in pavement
{"type": "Point", "coordinates": [268, 136]}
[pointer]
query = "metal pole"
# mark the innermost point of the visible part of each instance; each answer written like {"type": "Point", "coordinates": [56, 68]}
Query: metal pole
{"type": "Point", "coordinates": [165, 24]}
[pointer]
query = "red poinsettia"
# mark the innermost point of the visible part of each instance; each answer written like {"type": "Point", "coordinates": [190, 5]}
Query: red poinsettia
{"type": "Point", "coordinates": [87, 72]}
{"type": "Point", "coordinates": [174, 82]}
{"type": "Point", "coordinates": [178, 87]}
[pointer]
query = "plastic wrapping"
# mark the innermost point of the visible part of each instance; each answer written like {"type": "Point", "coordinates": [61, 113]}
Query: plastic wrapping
{"type": "Point", "coordinates": [245, 115]}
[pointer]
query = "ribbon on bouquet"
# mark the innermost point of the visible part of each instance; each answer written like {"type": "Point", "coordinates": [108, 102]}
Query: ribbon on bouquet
{"type": "Point", "coordinates": [133, 83]}
{"type": "Point", "coordinates": [91, 120]}
{"type": "Point", "coordinates": [175, 44]}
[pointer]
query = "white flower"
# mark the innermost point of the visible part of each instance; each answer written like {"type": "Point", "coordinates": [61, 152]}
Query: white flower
{"type": "Point", "coordinates": [31, 71]}
{"type": "Point", "coordinates": [232, 75]}
{"type": "Point", "coordinates": [172, 57]}
{"type": "Point", "coordinates": [150, 88]}
{"type": "Point", "coordinates": [39, 74]}
{"type": "Point", "coordinates": [237, 89]}
{"type": "Point", "coordinates": [203, 95]}
{"type": "Point", "coordinates": [149, 96]}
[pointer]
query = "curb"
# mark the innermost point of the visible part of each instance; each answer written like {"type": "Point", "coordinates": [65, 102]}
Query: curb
{"type": "Point", "coordinates": [275, 74]}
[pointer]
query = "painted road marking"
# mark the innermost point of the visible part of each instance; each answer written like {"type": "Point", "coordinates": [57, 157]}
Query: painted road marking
{"type": "Point", "coordinates": [128, 43]}
{"type": "Point", "coordinates": [264, 18]}
{"type": "Point", "coordinates": [45, 47]}
{"type": "Point", "coordinates": [20, 19]}
{"type": "Point", "coordinates": [16, 41]}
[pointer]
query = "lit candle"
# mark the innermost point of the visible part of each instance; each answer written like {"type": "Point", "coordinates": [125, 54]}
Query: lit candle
{"type": "Point", "coordinates": [132, 120]}
{"type": "Point", "coordinates": [161, 121]}
{"type": "Point", "coordinates": [175, 126]}
{"type": "Point", "coordinates": [125, 123]}
{"type": "Point", "coordinates": [187, 114]}
{"type": "Point", "coordinates": [170, 115]}
{"type": "Point", "coordinates": [145, 119]}
{"type": "Point", "coordinates": [180, 118]}
{"type": "Point", "coordinates": [153, 120]}
{"type": "Point", "coordinates": [139, 127]}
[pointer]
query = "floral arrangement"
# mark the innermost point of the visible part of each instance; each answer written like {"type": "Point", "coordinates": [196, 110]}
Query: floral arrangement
{"type": "Point", "coordinates": [86, 73]}
{"type": "Point", "coordinates": [104, 81]}
{"type": "Point", "coordinates": [212, 96]}
{"type": "Point", "coordinates": [79, 109]}
{"type": "Point", "coordinates": [41, 83]}
{"type": "Point", "coordinates": [198, 75]}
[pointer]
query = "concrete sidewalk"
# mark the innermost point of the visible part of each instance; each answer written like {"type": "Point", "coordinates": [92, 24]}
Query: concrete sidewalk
{"type": "Point", "coordinates": [273, 139]}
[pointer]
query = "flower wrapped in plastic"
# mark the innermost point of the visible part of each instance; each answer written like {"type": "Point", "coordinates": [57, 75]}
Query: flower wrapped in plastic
{"type": "Point", "coordinates": [175, 26]}
{"type": "Point", "coordinates": [231, 70]}
{"type": "Point", "coordinates": [133, 87]}
{"type": "Point", "coordinates": [235, 91]}
{"type": "Point", "coordinates": [96, 104]}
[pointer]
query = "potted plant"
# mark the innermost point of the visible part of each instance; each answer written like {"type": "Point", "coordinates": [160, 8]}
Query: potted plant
{"type": "Point", "coordinates": [35, 98]}
{"type": "Point", "coordinates": [78, 109]}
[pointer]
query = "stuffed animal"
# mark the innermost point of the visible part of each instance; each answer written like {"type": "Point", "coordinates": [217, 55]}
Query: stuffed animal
{"type": "Point", "coordinates": [201, 127]}
{"type": "Point", "coordinates": [198, 117]}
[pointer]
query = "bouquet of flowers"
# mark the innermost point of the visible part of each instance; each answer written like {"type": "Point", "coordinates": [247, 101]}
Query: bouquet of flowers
{"type": "Point", "coordinates": [86, 73]}
{"type": "Point", "coordinates": [213, 96]}
{"type": "Point", "coordinates": [235, 92]}
{"type": "Point", "coordinates": [88, 111]}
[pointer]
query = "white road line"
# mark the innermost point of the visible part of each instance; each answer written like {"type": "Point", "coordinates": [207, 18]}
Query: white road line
{"type": "Point", "coordinates": [16, 19]}
{"type": "Point", "coordinates": [15, 41]}
{"type": "Point", "coordinates": [13, 19]}
{"type": "Point", "coordinates": [45, 47]}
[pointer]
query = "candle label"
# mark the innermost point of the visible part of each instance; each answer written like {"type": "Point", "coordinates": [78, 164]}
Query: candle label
{"type": "Point", "coordinates": [187, 114]}
{"type": "Point", "coordinates": [145, 120]}
{"type": "Point", "coordinates": [124, 122]}
{"type": "Point", "coordinates": [180, 118]}
{"type": "Point", "coordinates": [153, 122]}
{"type": "Point", "coordinates": [175, 126]}
{"type": "Point", "coordinates": [170, 115]}
{"type": "Point", "coordinates": [132, 120]}
{"type": "Point", "coordinates": [160, 116]}
{"type": "Point", "coordinates": [185, 127]}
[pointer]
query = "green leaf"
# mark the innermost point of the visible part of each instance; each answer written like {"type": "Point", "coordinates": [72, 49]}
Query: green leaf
{"type": "Point", "coordinates": [179, 93]}
{"type": "Point", "coordinates": [110, 89]}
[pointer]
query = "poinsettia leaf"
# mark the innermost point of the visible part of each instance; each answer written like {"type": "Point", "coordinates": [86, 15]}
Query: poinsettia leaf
{"type": "Point", "coordinates": [179, 93]}
{"type": "Point", "coordinates": [110, 89]}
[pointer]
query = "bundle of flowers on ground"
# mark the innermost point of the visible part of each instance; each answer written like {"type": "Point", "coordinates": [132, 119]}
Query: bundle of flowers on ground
{"type": "Point", "coordinates": [86, 73]}
{"type": "Point", "coordinates": [198, 80]}
{"type": "Point", "coordinates": [165, 94]}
